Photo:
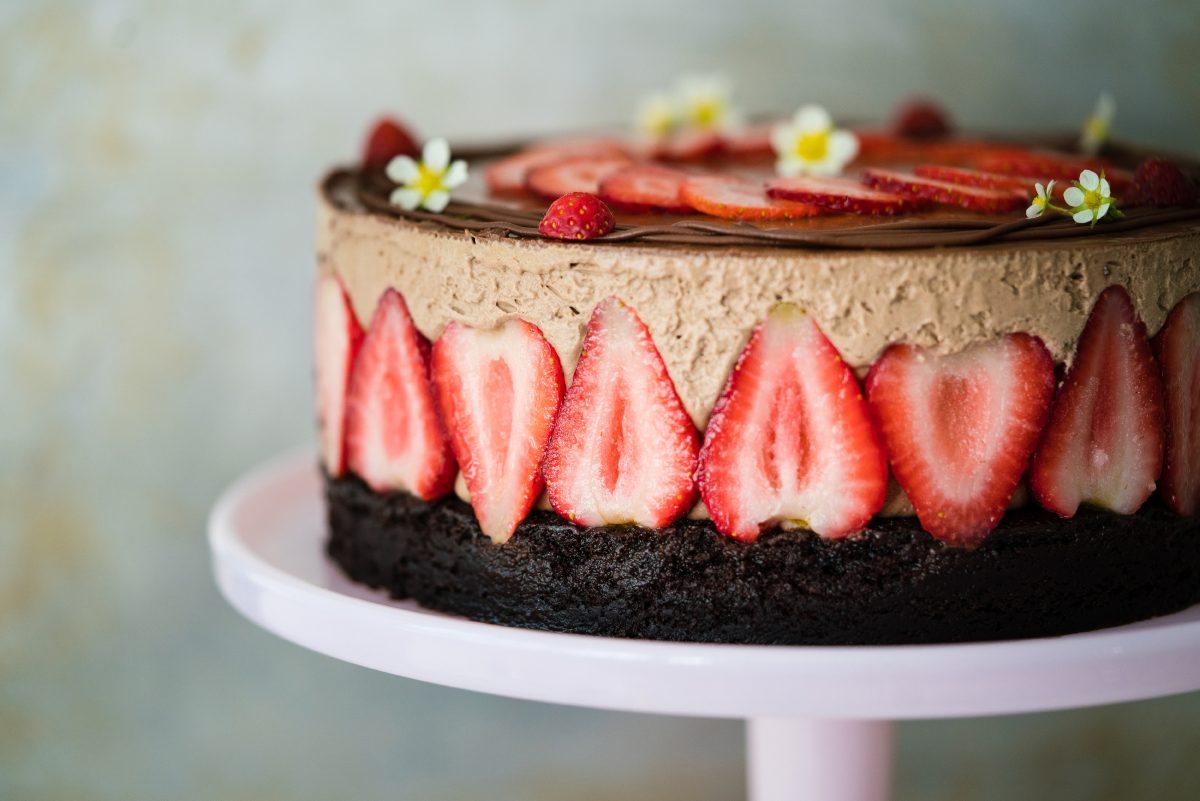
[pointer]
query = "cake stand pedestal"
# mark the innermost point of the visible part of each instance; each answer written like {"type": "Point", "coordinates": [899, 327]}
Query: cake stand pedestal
{"type": "Point", "coordinates": [818, 717]}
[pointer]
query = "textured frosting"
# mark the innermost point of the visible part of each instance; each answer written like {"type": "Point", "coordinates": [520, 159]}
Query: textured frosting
{"type": "Point", "coordinates": [700, 302]}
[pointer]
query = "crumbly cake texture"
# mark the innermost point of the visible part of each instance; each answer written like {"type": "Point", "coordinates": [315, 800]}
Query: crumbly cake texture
{"type": "Point", "coordinates": [1035, 576]}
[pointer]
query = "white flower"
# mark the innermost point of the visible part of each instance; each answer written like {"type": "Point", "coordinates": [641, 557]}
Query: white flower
{"type": "Point", "coordinates": [705, 103]}
{"type": "Point", "coordinates": [1096, 127]}
{"type": "Point", "coordinates": [809, 144]}
{"type": "Point", "coordinates": [657, 115]}
{"type": "Point", "coordinates": [1038, 206]}
{"type": "Point", "coordinates": [1089, 198]}
{"type": "Point", "coordinates": [426, 184]}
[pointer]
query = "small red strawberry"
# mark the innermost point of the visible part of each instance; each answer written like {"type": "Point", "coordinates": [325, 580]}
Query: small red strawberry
{"type": "Point", "coordinates": [1104, 442]}
{"type": "Point", "coordinates": [623, 449]}
{"type": "Point", "coordinates": [394, 437]}
{"type": "Point", "coordinates": [572, 174]}
{"type": "Point", "coordinates": [959, 429]}
{"type": "Point", "coordinates": [921, 119]}
{"type": "Point", "coordinates": [388, 138]}
{"type": "Point", "coordinates": [842, 195]}
{"type": "Point", "coordinates": [645, 189]}
{"type": "Point", "coordinates": [337, 338]}
{"type": "Point", "coordinates": [1159, 182]}
{"type": "Point", "coordinates": [508, 174]}
{"type": "Point", "coordinates": [986, 201]}
{"type": "Point", "coordinates": [1177, 346]}
{"type": "Point", "coordinates": [499, 391]}
{"type": "Point", "coordinates": [791, 439]}
{"type": "Point", "coordinates": [736, 198]}
{"type": "Point", "coordinates": [577, 215]}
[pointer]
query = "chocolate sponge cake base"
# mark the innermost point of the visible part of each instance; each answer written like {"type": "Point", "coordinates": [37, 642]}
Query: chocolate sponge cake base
{"type": "Point", "coordinates": [1035, 576]}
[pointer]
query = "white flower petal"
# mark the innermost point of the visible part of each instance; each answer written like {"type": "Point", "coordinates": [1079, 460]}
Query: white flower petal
{"type": "Point", "coordinates": [402, 170]}
{"type": "Point", "coordinates": [436, 154]}
{"type": "Point", "coordinates": [843, 147]}
{"type": "Point", "coordinates": [1103, 210]}
{"type": "Point", "coordinates": [436, 201]}
{"type": "Point", "coordinates": [1089, 180]}
{"type": "Point", "coordinates": [456, 175]}
{"type": "Point", "coordinates": [1106, 108]}
{"type": "Point", "coordinates": [1049, 189]}
{"type": "Point", "coordinates": [407, 199]}
{"type": "Point", "coordinates": [789, 167]}
{"type": "Point", "coordinates": [783, 138]}
{"type": "Point", "coordinates": [1105, 189]}
{"type": "Point", "coordinates": [1035, 210]}
{"type": "Point", "coordinates": [1039, 190]}
{"type": "Point", "coordinates": [1073, 196]}
{"type": "Point", "coordinates": [1082, 216]}
{"type": "Point", "coordinates": [812, 118]}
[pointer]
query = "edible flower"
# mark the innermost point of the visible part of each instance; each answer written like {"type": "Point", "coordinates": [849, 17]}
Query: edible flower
{"type": "Point", "coordinates": [1041, 201]}
{"type": "Point", "coordinates": [698, 103]}
{"type": "Point", "coordinates": [810, 145]}
{"type": "Point", "coordinates": [426, 184]}
{"type": "Point", "coordinates": [1089, 197]}
{"type": "Point", "coordinates": [1097, 126]}
{"type": "Point", "coordinates": [657, 115]}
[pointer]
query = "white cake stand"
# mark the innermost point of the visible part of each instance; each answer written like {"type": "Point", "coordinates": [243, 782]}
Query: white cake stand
{"type": "Point", "coordinates": [819, 718]}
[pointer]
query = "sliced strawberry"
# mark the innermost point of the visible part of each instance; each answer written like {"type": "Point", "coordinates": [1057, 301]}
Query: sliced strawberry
{"type": "Point", "coordinates": [644, 189]}
{"type": "Point", "coordinates": [498, 390]}
{"type": "Point", "coordinates": [394, 437]}
{"type": "Point", "coordinates": [623, 449]}
{"type": "Point", "coordinates": [572, 174]}
{"type": "Point", "coordinates": [1177, 346]}
{"type": "Point", "coordinates": [1047, 164]}
{"type": "Point", "coordinates": [388, 138]}
{"type": "Point", "coordinates": [754, 140]}
{"type": "Point", "coordinates": [508, 174]}
{"type": "Point", "coordinates": [980, 178]}
{"type": "Point", "coordinates": [879, 147]}
{"type": "Point", "coordinates": [1104, 442]}
{"type": "Point", "coordinates": [987, 201]}
{"type": "Point", "coordinates": [337, 338]}
{"type": "Point", "coordinates": [841, 194]}
{"type": "Point", "coordinates": [740, 199]}
{"type": "Point", "coordinates": [959, 429]}
{"type": "Point", "coordinates": [688, 146]}
{"type": "Point", "coordinates": [791, 439]}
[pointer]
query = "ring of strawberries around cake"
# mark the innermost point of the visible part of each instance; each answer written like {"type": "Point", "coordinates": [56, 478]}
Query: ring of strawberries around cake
{"type": "Point", "coordinates": [1050, 476]}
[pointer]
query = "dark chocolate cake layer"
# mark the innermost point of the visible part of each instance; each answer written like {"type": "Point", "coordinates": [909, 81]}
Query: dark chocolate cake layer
{"type": "Point", "coordinates": [1035, 576]}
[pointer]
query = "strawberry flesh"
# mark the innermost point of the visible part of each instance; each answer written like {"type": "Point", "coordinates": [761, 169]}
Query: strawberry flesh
{"type": "Point", "coordinates": [572, 174]}
{"type": "Point", "coordinates": [1177, 346]}
{"type": "Point", "coordinates": [987, 201]}
{"type": "Point", "coordinates": [623, 448]}
{"type": "Point", "coordinates": [980, 178]}
{"type": "Point", "coordinates": [394, 437]}
{"type": "Point", "coordinates": [498, 391]}
{"type": "Point", "coordinates": [842, 195]}
{"type": "Point", "coordinates": [736, 198]}
{"type": "Point", "coordinates": [509, 173]}
{"type": "Point", "coordinates": [790, 440]}
{"type": "Point", "coordinates": [959, 429]}
{"type": "Point", "coordinates": [1104, 442]}
{"type": "Point", "coordinates": [645, 189]}
{"type": "Point", "coordinates": [337, 339]}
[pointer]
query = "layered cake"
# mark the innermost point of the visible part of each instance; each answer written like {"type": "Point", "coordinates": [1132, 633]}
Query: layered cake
{"type": "Point", "coordinates": [779, 384]}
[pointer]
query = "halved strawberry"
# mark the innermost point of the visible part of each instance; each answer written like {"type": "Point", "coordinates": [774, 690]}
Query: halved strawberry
{"type": "Point", "coordinates": [623, 449]}
{"type": "Point", "coordinates": [394, 437]}
{"type": "Point", "coordinates": [499, 390]}
{"type": "Point", "coordinates": [987, 201]}
{"type": "Point", "coordinates": [841, 195]}
{"type": "Point", "coordinates": [1177, 346]}
{"type": "Point", "coordinates": [572, 174]}
{"type": "Point", "coordinates": [643, 189]}
{"type": "Point", "coordinates": [1104, 442]}
{"type": "Point", "coordinates": [959, 429]}
{"type": "Point", "coordinates": [509, 173]}
{"type": "Point", "coordinates": [919, 118]}
{"type": "Point", "coordinates": [388, 138]}
{"type": "Point", "coordinates": [740, 199]}
{"type": "Point", "coordinates": [980, 178]}
{"type": "Point", "coordinates": [337, 338]}
{"type": "Point", "coordinates": [791, 439]}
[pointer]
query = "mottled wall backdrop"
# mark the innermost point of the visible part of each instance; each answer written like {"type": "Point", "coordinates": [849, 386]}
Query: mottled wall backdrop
{"type": "Point", "coordinates": [156, 169]}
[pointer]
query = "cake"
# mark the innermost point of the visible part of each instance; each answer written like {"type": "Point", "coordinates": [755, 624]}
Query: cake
{"type": "Point", "coordinates": [676, 389]}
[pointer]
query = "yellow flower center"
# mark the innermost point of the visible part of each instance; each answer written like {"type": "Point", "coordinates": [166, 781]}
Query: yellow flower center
{"type": "Point", "coordinates": [706, 113]}
{"type": "Point", "coordinates": [428, 181]}
{"type": "Point", "coordinates": [1092, 199]}
{"type": "Point", "coordinates": [1096, 129]}
{"type": "Point", "coordinates": [812, 146]}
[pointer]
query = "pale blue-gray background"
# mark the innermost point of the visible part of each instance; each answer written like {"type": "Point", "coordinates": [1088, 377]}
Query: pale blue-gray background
{"type": "Point", "coordinates": [156, 167]}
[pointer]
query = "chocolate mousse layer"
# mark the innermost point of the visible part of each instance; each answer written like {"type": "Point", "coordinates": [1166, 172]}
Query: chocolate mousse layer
{"type": "Point", "coordinates": [1035, 576]}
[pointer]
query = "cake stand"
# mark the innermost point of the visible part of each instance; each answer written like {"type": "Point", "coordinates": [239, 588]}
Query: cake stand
{"type": "Point", "coordinates": [818, 718]}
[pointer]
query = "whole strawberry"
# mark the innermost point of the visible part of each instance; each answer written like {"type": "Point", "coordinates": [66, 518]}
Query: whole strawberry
{"type": "Point", "coordinates": [1159, 182]}
{"type": "Point", "coordinates": [388, 138]}
{"type": "Point", "coordinates": [577, 215]}
{"type": "Point", "coordinates": [921, 119]}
